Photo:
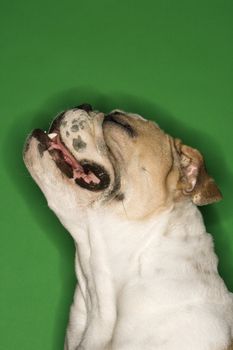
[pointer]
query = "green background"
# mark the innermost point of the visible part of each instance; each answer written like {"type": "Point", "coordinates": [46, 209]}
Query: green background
{"type": "Point", "coordinates": [171, 61]}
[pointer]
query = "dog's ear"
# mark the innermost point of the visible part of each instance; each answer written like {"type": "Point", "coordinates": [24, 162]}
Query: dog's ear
{"type": "Point", "coordinates": [194, 180]}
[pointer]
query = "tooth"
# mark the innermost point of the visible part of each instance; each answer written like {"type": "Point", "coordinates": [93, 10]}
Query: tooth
{"type": "Point", "coordinates": [52, 135]}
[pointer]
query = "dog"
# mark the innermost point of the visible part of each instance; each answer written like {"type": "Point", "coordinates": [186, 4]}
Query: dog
{"type": "Point", "coordinates": [128, 194]}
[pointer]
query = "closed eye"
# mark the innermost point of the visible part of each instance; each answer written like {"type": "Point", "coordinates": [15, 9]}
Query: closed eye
{"type": "Point", "coordinates": [121, 123]}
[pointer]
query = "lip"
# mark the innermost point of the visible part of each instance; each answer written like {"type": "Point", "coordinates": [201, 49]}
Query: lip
{"type": "Point", "coordinates": [85, 173]}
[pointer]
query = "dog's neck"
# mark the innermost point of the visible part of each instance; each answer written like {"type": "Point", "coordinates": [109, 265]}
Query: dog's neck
{"type": "Point", "coordinates": [117, 249]}
{"type": "Point", "coordinates": [112, 253]}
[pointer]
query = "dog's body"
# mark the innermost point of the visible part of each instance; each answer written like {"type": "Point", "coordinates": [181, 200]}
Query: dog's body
{"type": "Point", "coordinates": [146, 268]}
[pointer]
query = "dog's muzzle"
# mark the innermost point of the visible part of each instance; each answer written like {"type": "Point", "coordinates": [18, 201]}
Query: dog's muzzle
{"type": "Point", "coordinates": [87, 174]}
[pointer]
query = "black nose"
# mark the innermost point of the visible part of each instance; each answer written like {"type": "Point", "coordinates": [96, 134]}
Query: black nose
{"type": "Point", "coordinates": [56, 122]}
{"type": "Point", "coordinates": [85, 106]}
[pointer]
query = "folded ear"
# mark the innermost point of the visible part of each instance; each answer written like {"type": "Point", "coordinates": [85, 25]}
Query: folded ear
{"type": "Point", "coordinates": [195, 180]}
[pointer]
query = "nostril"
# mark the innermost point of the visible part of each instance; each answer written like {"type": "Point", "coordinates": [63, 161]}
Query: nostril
{"type": "Point", "coordinates": [85, 106]}
{"type": "Point", "coordinates": [56, 122]}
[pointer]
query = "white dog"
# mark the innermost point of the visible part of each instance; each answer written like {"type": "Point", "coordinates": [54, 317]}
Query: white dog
{"type": "Point", "coordinates": [146, 268]}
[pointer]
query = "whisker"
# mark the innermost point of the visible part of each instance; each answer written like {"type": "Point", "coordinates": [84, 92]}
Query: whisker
{"type": "Point", "coordinates": [124, 208]}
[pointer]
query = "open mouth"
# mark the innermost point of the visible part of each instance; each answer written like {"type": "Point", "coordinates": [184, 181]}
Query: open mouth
{"type": "Point", "coordinates": [85, 173]}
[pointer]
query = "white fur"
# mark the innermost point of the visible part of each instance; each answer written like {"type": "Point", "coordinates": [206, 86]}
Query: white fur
{"type": "Point", "coordinates": [150, 285]}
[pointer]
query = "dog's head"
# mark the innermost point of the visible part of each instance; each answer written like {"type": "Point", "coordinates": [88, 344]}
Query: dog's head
{"type": "Point", "coordinates": [120, 160]}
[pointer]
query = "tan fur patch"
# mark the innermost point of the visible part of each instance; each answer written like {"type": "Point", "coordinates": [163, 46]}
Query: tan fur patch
{"type": "Point", "coordinates": [147, 162]}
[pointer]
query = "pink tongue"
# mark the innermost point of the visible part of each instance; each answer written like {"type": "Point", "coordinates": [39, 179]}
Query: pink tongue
{"type": "Point", "coordinates": [78, 172]}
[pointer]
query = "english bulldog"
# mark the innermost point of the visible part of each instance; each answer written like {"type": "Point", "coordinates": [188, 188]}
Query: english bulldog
{"type": "Point", "coordinates": [128, 194]}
